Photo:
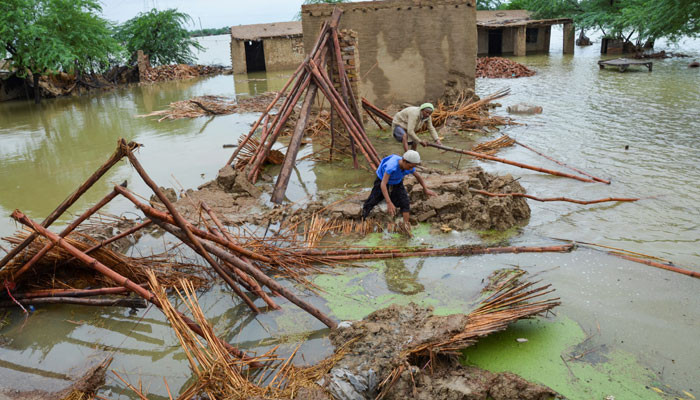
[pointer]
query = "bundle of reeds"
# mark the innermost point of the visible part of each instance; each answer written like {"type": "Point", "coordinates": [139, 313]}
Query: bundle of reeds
{"type": "Point", "coordinates": [492, 146]}
{"type": "Point", "coordinates": [221, 376]}
{"type": "Point", "coordinates": [210, 105]}
{"type": "Point", "coordinates": [469, 114]}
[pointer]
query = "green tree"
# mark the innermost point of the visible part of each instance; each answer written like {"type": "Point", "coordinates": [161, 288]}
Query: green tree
{"type": "Point", "coordinates": [49, 36]}
{"type": "Point", "coordinates": [646, 20]}
{"type": "Point", "coordinates": [160, 34]}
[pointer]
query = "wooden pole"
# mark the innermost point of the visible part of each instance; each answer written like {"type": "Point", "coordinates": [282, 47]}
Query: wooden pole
{"type": "Point", "coordinates": [114, 276]}
{"type": "Point", "coordinates": [607, 182]}
{"type": "Point", "coordinates": [503, 160]}
{"type": "Point", "coordinates": [658, 265]}
{"type": "Point", "coordinates": [150, 211]}
{"type": "Point", "coordinates": [192, 241]}
{"type": "Point", "coordinates": [113, 239]}
{"type": "Point", "coordinates": [485, 193]}
{"type": "Point", "coordinates": [118, 154]}
{"type": "Point", "coordinates": [264, 114]}
{"type": "Point", "coordinates": [293, 148]}
{"type": "Point", "coordinates": [368, 254]}
{"type": "Point", "coordinates": [255, 273]}
{"type": "Point", "coordinates": [48, 246]}
{"type": "Point", "coordinates": [255, 287]}
{"type": "Point", "coordinates": [70, 292]}
{"type": "Point", "coordinates": [131, 303]}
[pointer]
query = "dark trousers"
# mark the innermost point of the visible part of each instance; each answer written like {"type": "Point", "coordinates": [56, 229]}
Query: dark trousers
{"type": "Point", "coordinates": [397, 194]}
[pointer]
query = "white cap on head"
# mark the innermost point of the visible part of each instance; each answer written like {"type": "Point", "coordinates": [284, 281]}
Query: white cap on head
{"type": "Point", "coordinates": [412, 156]}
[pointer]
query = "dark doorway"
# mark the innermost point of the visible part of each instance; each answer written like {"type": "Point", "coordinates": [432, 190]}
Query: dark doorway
{"type": "Point", "coordinates": [254, 56]}
{"type": "Point", "coordinates": [495, 42]}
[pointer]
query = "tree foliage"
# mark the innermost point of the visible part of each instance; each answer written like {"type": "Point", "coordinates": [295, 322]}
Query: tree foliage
{"type": "Point", "coordinates": [210, 31]}
{"type": "Point", "coordinates": [645, 19]}
{"type": "Point", "coordinates": [160, 34]}
{"type": "Point", "coordinates": [44, 36]}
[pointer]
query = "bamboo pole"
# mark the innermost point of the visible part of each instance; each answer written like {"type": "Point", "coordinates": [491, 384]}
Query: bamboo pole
{"type": "Point", "coordinates": [192, 241]}
{"type": "Point", "coordinates": [372, 109]}
{"type": "Point", "coordinates": [293, 148]}
{"type": "Point", "coordinates": [255, 273]}
{"type": "Point", "coordinates": [503, 160]}
{"type": "Point", "coordinates": [255, 287]}
{"type": "Point", "coordinates": [620, 199]}
{"type": "Point", "coordinates": [67, 230]}
{"type": "Point", "coordinates": [118, 154]}
{"type": "Point", "coordinates": [607, 182]}
{"type": "Point", "coordinates": [114, 276]}
{"type": "Point", "coordinates": [131, 303]}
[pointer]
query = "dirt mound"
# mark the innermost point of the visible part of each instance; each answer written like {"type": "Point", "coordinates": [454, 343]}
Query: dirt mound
{"type": "Point", "coordinates": [455, 205]}
{"type": "Point", "coordinates": [499, 67]}
{"type": "Point", "coordinates": [376, 346]}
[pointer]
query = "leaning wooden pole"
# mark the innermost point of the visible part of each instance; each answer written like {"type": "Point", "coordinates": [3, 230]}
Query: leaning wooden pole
{"type": "Point", "coordinates": [255, 273]}
{"type": "Point", "coordinates": [65, 232]}
{"type": "Point", "coordinates": [514, 163]}
{"type": "Point", "coordinates": [585, 202]}
{"type": "Point", "coordinates": [293, 148]}
{"type": "Point", "coordinates": [192, 241]}
{"type": "Point", "coordinates": [114, 276]}
{"type": "Point", "coordinates": [255, 287]}
{"type": "Point", "coordinates": [118, 154]}
{"type": "Point", "coordinates": [264, 114]}
{"type": "Point", "coordinates": [607, 182]}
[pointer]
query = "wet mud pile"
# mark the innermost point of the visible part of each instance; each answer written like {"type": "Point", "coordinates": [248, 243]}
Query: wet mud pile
{"type": "Point", "coordinates": [455, 207]}
{"type": "Point", "coordinates": [378, 345]}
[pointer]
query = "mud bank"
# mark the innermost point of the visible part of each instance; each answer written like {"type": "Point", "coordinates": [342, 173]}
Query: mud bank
{"type": "Point", "coordinates": [377, 345]}
{"type": "Point", "coordinates": [237, 202]}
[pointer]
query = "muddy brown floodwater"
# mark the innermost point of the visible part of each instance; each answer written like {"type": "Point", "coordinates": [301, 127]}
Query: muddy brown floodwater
{"type": "Point", "coordinates": [623, 329]}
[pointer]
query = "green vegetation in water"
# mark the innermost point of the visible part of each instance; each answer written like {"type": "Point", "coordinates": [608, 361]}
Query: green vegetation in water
{"type": "Point", "coordinates": [598, 374]}
{"type": "Point", "coordinates": [293, 326]}
{"type": "Point", "coordinates": [493, 236]}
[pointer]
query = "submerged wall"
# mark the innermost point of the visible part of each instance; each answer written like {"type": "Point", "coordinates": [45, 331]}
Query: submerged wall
{"type": "Point", "coordinates": [410, 50]}
{"type": "Point", "coordinates": [281, 53]}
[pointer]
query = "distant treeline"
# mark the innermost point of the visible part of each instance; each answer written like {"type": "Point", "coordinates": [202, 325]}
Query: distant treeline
{"type": "Point", "coordinates": [210, 31]}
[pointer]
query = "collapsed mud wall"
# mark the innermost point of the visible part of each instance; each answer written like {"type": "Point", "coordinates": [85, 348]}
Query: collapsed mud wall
{"type": "Point", "coordinates": [409, 49]}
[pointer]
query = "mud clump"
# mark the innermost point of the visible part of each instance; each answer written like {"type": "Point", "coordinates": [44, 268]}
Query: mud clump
{"type": "Point", "coordinates": [455, 205]}
{"type": "Point", "coordinates": [376, 346]}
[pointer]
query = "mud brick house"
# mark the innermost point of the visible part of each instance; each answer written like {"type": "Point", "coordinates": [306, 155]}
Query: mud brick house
{"type": "Point", "coordinates": [408, 51]}
{"type": "Point", "coordinates": [514, 32]}
{"type": "Point", "coordinates": [266, 47]}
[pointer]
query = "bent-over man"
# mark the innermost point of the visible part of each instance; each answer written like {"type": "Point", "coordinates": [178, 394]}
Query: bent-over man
{"type": "Point", "coordinates": [407, 121]}
{"type": "Point", "coordinates": [389, 186]}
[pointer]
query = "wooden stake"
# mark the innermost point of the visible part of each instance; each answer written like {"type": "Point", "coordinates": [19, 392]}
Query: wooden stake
{"type": "Point", "coordinates": [607, 182]}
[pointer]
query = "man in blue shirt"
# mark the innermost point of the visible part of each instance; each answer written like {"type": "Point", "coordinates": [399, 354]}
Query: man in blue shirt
{"type": "Point", "coordinates": [389, 186]}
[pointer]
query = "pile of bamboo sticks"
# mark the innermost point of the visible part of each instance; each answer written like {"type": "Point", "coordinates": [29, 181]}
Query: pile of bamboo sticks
{"type": "Point", "coordinates": [309, 78]}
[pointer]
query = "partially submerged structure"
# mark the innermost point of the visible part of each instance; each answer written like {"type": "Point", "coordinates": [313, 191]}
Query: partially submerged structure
{"type": "Point", "coordinates": [409, 51]}
{"type": "Point", "coordinates": [266, 47]}
{"type": "Point", "coordinates": [514, 32]}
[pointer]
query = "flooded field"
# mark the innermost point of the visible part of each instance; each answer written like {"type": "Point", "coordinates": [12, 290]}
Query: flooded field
{"type": "Point", "coordinates": [624, 329]}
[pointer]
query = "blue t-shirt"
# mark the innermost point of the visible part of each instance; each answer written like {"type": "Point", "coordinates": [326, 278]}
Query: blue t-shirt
{"type": "Point", "coordinates": [390, 165]}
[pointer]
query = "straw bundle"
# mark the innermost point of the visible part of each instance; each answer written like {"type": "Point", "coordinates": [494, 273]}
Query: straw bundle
{"type": "Point", "coordinates": [492, 146]}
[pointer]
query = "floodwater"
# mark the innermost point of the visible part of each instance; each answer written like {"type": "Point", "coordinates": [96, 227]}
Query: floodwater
{"type": "Point", "coordinates": [590, 116]}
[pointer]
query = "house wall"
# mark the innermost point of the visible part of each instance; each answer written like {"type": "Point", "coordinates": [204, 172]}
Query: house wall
{"type": "Point", "coordinates": [508, 40]}
{"type": "Point", "coordinates": [238, 56]}
{"type": "Point", "coordinates": [410, 50]}
{"type": "Point", "coordinates": [482, 41]}
{"type": "Point", "coordinates": [283, 53]}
